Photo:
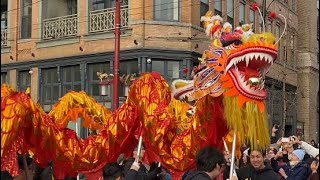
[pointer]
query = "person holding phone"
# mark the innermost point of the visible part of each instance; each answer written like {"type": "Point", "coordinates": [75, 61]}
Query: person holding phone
{"type": "Point", "coordinates": [309, 149]}
{"type": "Point", "coordinates": [296, 169]}
{"type": "Point", "coordinates": [274, 130]}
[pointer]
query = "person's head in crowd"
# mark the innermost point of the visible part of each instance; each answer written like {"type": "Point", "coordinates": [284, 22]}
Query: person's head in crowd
{"type": "Point", "coordinates": [227, 156]}
{"type": "Point", "coordinates": [211, 161]}
{"type": "Point", "coordinates": [296, 156]}
{"type": "Point", "coordinates": [313, 143]}
{"type": "Point", "coordinates": [317, 157]}
{"type": "Point", "coordinates": [121, 159]}
{"type": "Point", "coordinates": [135, 152]}
{"type": "Point", "coordinates": [244, 158]}
{"type": "Point", "coordinates": [257, 158]}
{"type": "Point", "coordinates": [314, 166]}
{"type": "Point", "coordinates": [112, 171]}
{"type": "Point", "coordinates": [271, 153]}
{"type": "Point", "coordinates": [6, 175]}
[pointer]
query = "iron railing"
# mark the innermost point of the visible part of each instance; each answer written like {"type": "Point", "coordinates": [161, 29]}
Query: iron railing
{"type": "Point", "coordinates": [103, 20]}
{"type": "Point", "coordinates": [60, 27]}
{"type": "Point", "coordinates": [4, 37]}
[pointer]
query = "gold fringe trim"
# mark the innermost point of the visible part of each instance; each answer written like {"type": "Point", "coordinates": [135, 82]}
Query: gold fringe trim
{"type": "Point", "coordinates": [251, 125]}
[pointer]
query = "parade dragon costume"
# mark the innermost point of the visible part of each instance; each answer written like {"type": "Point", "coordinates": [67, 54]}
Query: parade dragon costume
{"type": "Point", "coordinates": [226, 93]}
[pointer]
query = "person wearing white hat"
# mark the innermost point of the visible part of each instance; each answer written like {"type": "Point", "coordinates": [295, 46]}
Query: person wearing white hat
{"type": "Point", "coordinates": [296, 169]}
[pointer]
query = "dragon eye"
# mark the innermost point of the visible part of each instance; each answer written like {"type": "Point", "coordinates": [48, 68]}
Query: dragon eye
{"type": "Point", "coordinates": [236, 43]}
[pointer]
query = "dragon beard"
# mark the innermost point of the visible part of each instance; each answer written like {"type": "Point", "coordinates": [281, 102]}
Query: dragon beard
{"type": "Point", "coordinates": [248, 121]}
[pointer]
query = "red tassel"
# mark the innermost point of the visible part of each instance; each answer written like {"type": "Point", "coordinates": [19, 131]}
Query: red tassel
{"type": "Point", "coordinates": [254, 6]}
{"type": "Point", "coordinates": [273, 15]}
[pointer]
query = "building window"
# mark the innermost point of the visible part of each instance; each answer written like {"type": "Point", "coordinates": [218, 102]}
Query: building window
{"type": "Point", "coordinates": [4, 15]}
{"type": "Point", "coordinates": [252, 18]}
{"type": "Point", "coordinates": [58, 81]}
{"type": "Point", "coordinates": [277, 33]}
{"type": "Point", "coordinates": [98, 4]}
{"type": "Point", "coordinates": [170, 70]}
{"type": "Point", "coordinates": [105, 4]}
{"type": "Point", "coordinates": [127, 67]}
{"type": "Point", "coordinates": [24, 80]}
{"type": "Point", "coordinates": [292, 55]}
{"type": "Point", "coordinates": [50, 84]}
{"type": "Point", "coordinates": [166, 10]}
{"type": "Point", "coordinates": [26, 13]}
{"type": "Point", "coordinates": [93, 80]}
{"type": "Point", "coordinates": [230, 12]}
{"type": "Point", "coordinates": [72, 7]}
{"type": "Point", "coordinates": [70, 78]}
{"type": "Point", "coordinates": [4, 78]}
{"type": "Point", "coordinates": [204, 7]}
{"type": "Point", "coordinates": [242, 13]}
{"type": "Point", "coordinates": [218, 7]}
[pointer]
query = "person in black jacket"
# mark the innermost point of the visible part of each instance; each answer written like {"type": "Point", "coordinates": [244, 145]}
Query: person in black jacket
{"type": "Point", "coordinates": [112, 171]}
{"type": "Point", "coordinates": [209, 165]}
{"type": "Point", "coordinates": [257, 169]}
{"type": "Point", "coordinates": [296, 169]}
{"type": "Point", "coordinates": [135, 169]}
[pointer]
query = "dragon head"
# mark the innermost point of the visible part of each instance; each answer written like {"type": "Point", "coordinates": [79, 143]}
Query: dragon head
{"type": "Point", "coordinates": [245, 66]}
{"type": "Point", "coordinates": [235, 67]}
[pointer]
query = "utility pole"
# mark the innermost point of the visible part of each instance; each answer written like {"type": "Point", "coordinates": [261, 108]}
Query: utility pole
{"type": "Point", "coordinates": [116, 61]}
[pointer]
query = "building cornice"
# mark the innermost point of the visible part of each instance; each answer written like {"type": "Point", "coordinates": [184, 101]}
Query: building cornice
{"type": "Point", "coordinates": [105, 56]}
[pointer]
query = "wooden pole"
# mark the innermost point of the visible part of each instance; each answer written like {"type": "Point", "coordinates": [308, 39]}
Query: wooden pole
{"type": "Point", "coordinates": [233, 154]}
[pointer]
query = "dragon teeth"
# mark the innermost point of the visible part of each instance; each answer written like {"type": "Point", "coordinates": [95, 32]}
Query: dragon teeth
{"type": "Point", "coordinates": [247, 62]}
{"type": "Point", "coordinates": [249, 57]}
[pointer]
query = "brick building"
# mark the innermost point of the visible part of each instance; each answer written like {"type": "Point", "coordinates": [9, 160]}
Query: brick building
{"type": "Point", "coordinates": [57, 46]}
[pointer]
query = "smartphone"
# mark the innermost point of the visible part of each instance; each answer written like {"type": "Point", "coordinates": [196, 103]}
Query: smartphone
{"type": "Point", "coordinates": [285, 139]}
{"type": "Point", "coordinates": [280, 149]}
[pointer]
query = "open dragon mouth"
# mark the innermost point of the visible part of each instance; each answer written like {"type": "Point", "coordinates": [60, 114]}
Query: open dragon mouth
{"type": "Point", "coordinates": [248, 69]}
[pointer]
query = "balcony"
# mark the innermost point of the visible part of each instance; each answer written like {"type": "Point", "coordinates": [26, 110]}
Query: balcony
{"type": "Point", "coordinates": [103, 20]}
{"type": "Point", "coordinates": [59, 27]}
{"type": "Point", "coordinates": [4, 37]}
